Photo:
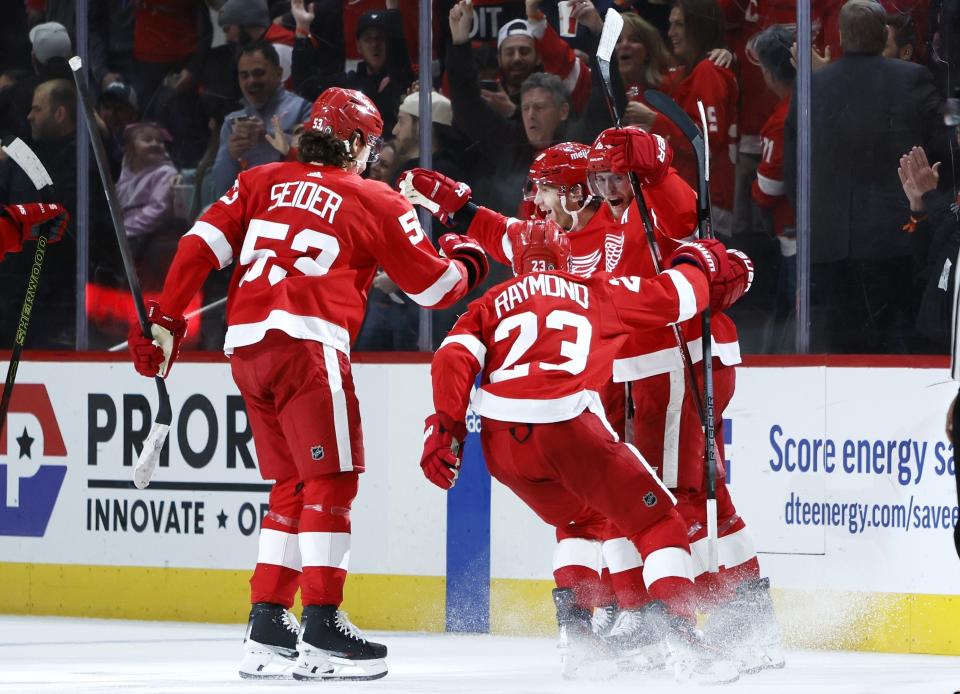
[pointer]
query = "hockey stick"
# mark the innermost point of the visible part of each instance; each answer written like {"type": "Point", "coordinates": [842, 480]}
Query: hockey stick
{"type": "Point", "coordinates": [25, 158]}
{"type": "Point", "coordinates": [612, 26]}
{"type": "Point", "coordinates": [699, 141]}
{"type": "Point", "coordinates": [153, 444]}
{"type": "Point", "coordinates": [203, 309]}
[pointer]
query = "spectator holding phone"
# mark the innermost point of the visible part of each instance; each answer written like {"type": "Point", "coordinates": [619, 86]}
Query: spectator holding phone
{"type": "Point", "coordinates": [243, 142]}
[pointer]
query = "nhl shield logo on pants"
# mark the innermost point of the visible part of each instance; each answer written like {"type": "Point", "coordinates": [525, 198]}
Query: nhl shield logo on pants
{"type": "Point", "coordinates": [316, 452]}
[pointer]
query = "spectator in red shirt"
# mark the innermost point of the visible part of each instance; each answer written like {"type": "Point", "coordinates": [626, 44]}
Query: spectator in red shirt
{"type": "Point", "coordinates": [772, 48]}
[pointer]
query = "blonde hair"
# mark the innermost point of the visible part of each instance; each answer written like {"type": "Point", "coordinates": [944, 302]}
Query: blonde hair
{"type": "Point", "coordinates": [659, 59]}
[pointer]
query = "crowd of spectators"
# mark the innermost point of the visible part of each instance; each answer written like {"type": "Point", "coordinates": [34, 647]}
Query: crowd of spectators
{"type": "Point", "coordinates": [191, 92]}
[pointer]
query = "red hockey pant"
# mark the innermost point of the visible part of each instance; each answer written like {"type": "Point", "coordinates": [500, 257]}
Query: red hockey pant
{"type": "Point", "coordinates": [577, 473]}
{"type": "Point", "coordinates": [305, 420]}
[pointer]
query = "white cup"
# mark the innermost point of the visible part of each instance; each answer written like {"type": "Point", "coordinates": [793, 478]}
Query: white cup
{"type": "Point", "coordinates": [568, 26]}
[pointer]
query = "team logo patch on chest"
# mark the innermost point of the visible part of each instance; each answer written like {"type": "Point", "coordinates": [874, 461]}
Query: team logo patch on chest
{"type": "Point", "coordinates": [316, 452]}
{"type": "Point", "coordinates": [612, 250]}
{"type": "Point", "coordinates": [649, 499]}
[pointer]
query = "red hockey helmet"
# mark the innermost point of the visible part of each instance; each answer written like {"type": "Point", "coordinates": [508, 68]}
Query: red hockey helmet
{"type": "Point", "coordinates": [342, 112]}
{"type": "Point", "coordinates": [562, 166]}
{"type": "Point", "coordinates": [539, 245]}
{"type": "Point", "coordinates": [600, 179]}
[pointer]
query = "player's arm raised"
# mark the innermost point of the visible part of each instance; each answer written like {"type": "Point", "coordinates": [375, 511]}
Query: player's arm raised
{"type": "Point", "coordinates": [450, 201]}
{"type": "Point", "coordinates": [456, 364]}
{"type": "Point", "coordinates": [411, 261]}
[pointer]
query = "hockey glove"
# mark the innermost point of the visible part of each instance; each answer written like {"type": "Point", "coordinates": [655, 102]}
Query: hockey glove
{"type": "Point", "coordinates": [440, 194]}
{"type": "Point", "coordinates": [636, 150]}
{"type": "Point", "coordinates": [155, 357]}
{"type": "Point", "coordinates": [727, 288]}
{"type": "Point", "coordinates": [707, 254]}
{"type": "Point", "coordinates": [30, 221]}
{"type": "Point", "coordinates": [442, 438]}
{"type": "Point", "coordinates": [468, 252]}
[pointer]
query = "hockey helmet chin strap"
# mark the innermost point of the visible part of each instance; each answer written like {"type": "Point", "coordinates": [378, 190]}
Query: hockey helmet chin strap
{"type": "Point", "coordinates": [574, 214]}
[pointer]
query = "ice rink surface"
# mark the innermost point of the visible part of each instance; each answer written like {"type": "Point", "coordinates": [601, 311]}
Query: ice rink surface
{"type": "Point", "coordinates": [48, 654]}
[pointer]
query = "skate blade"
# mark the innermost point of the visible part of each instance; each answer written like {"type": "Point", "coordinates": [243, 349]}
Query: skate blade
{"type": "Point", "coordinates": [262, 662]}
{"type": "Point", "coordinates": [327, 667]}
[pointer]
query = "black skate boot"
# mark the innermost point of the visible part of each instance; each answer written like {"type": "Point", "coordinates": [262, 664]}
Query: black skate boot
{"type": "Point", "coordinates": [693, 659]}
{"type": "Point", "coordinates": [583, 654]}
{"type": "Point", "coordinates": [270, 644]}
{"type": "Point", "coordinates": [636, 637]}
{"type": "Point", "coordinates": [331, 648]}
{"type": "Point", "coordinates": [747, 627]}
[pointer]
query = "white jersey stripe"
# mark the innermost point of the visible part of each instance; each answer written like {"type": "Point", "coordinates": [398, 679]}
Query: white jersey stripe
{"type": "Point", "coordinates": [621, 555]}
{"type": "Point", "coordinates": [325, 549]}
{"type": "Point", "coordinates": [536, 411]}
{"type": "Point", "coordinates": [433, 295]}
{"type": "Point", "coordinates": [215, 239]}
{"type": "Point", "coordinates": [769, 186]}
{"type": "Point", "coordinates": [341, 420]}
{"type": "Point", "coordinates": [299, 327]}
{"type": "Point", "coordinates": [577, 551]}
{"type": "Point", "coordinates": [279, 548]}
{"type": "Point", "coordinates": [685, 294]}
{"type": "Point", "coordinates": [666, 360]}
{"type": "Point", "coordinates": [468, 342]}
{"type": "Point", "coordinates": [669, 562]}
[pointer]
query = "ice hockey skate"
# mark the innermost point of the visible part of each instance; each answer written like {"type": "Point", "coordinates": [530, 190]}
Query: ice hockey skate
{"type": "Point", "coordinates": [692, 658]}
{"type": "Point", "coordinates": [332, 648]}
{"type": "Point", "coordinates": [583, 654]}
{"type": "Point", "coordinates": [636, 637]}
{"type": "Point", "coordinates": [270, 644]}
{"type": "Point", "coordinates": [748, 628]}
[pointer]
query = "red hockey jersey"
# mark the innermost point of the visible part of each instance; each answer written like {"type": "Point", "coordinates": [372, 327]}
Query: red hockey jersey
{"type": "Point", "coordinates": [717, 88]}
{"type": "Point", "coordinates": [768, 189]}
{"type": "Point", "coordinates": [307, 240]}
{"type": "Point", "coordinates": [545, 341]}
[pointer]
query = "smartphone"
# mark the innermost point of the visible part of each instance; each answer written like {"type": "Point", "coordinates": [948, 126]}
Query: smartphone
{"type": "Point", "coordinates": [490, 85]}
{"type": "Point", "coordinates": [239, 119]}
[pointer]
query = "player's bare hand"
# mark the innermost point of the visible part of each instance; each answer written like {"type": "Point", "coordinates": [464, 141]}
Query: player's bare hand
{"type": "Point", "coordinates": [534, 13]}
{"type": "Point", "coordinates": [499, 101]}
{"type": "Point", "coordinates": [303, 15]}
{"type": "Point", "coordinates": [184, 82]}
{"type": "Point", "coordinates": [238, 143]}
{"type": "Point", "coordinates": [461, 22]}
{"type": "Point", "coordinates": [720, 57]}
{"type": "Point", "coordinates": [638, 113]}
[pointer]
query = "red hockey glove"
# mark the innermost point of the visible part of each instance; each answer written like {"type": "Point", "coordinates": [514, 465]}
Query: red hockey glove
{"type": "Point", "coordinates": [636, 150]}
{"type": "Point", "coordinates": [442, 438]}
{"type": "Point", "coordinates": [727, 288]}
{"type": "Point", "coordinates": [468, 252]}
{"type": "Point", "coordinates": [707, 254]}
{"type": "Point", "coordinates": [156, 356]}
{"type": "Point", "coordinates": [440, 194]}
{"type": "Point", "coordinates": [31, 220]}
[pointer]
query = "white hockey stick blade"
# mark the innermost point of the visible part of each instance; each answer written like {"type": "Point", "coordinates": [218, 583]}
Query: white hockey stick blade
{"type": "Point", "coordinates": [706, 141]}
{"type": "Point", "coordinates": [150, 455]}
{"type": "Point", "coordinates": [24, 157]}
{"type": "Point", "coordinates": [713, 559]}
{"type": "Point", "coordinates": [612, 26]}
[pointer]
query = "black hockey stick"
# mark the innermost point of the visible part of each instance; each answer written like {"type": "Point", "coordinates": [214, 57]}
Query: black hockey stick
{"type": "Point", "coordinates": [612, 26]}
{"type": "Point", "coordinates": [27, 160]}
{"type": "Point", "coordinates": [698, 140]}
{"type": "Point", "coordinates": [153, 444]}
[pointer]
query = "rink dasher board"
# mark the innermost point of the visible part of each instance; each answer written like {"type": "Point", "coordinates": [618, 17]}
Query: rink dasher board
{"type": "Point", "coordinates": [832, 505]}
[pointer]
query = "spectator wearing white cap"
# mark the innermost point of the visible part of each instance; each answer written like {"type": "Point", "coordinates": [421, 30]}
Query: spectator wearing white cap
{"type": "Point", "coordinates": [50, 48]}
{"type": "Point", "coordinates": [446, 150]}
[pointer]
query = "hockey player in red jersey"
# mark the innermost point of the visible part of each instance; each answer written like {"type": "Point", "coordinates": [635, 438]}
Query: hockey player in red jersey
{"type": "Point", "coordinates": [306, 238]}
{"type": "Point", "coordinates": [544, 342]}
{"type": "Point", "coordinates": [558, 185]}
{"type": "Point", "coordinates": [29, 221]}
{"type": "Point", "coordinates": [668, 433]}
